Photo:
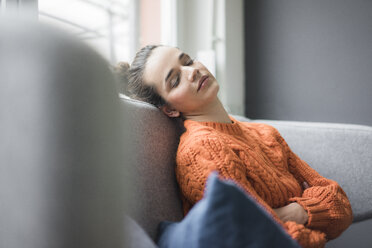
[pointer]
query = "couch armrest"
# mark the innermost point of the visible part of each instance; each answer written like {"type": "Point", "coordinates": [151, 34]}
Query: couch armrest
{"type": "Point", "coordinates": [341, 152]}
{"type": "Point", "coordinates": [63, 171]}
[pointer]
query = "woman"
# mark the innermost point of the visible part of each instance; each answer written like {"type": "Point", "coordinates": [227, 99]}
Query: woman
{"type": "Point", "coordinates": [311, 208]}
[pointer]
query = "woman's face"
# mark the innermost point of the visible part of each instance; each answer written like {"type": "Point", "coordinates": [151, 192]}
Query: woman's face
{"type": "Point", "coordinates": [186, 85]}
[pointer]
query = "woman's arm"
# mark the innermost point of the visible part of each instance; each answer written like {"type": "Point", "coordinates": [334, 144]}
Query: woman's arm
{"type": "Point", "coordinates": [326, 204]}
{"type": "Point", "coordinates": [293, 211]}
{"type": "Point", "coordinates": [197, 161]}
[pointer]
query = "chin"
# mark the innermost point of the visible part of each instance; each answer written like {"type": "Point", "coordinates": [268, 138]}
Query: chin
{"type": "Point", "coordinates": [215, 88]}
{"type": "Point", "coordinates": [213, 93]}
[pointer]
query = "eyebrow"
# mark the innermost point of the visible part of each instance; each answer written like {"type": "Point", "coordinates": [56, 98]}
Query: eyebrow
{"type": "Point", "coordinates": [169, 73]}
{"type": "Point", "coordinates": [180, 57]}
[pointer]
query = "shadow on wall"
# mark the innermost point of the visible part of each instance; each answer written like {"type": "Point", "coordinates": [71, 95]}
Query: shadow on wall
{"type": "Point", "coordinates": [309, 60]}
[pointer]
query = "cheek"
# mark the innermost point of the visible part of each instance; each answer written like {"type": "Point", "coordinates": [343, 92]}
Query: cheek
{"type": "Point", "coordinates": [177, 98]}
{"type": "Point", "coordinates": [180, 97]}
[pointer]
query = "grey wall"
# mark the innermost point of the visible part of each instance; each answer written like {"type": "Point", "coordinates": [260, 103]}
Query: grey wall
{"type": "Point", "coordinates": [309, 60]}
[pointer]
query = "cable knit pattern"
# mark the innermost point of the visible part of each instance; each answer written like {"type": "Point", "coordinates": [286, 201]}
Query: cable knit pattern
{"type": "Point", "coordinates": [259, 160]}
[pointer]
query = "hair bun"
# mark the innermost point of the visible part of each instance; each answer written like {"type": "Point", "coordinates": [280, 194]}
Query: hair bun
{"type": "Point", "coordinates": [122, 67]}
{"type": "Point", "coordinates": [121, 71]}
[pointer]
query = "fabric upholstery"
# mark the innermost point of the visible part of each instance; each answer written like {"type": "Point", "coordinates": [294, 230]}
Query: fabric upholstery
{"type": "Point", "coordinates": [155, 140]}
{"type": "Point", "coordinates": [135, 236]}
{"type": "Point", "coordinates": [62, 166]}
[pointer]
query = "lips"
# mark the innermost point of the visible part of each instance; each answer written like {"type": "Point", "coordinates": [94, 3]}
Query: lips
{"type": "Point", "coordinates": [202, 81]}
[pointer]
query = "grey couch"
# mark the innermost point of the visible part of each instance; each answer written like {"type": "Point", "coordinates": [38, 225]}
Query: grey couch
{"type": "Point", "coordinates": [337, 151]}
{"type": "Point", "coordinates": [74, 156]}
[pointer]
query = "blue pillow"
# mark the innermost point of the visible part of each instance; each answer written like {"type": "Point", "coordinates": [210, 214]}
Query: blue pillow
{"type": "Point", "coordinates": [225, 217]}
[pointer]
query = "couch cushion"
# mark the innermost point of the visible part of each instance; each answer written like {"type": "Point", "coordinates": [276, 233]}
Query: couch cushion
{"type": "Point", "coordinates": [135, 236]}
{"type": "Point", "coordinates": [225, 217]}
{"type": "Point", "coordinates": [155, 140]}
{"type": "Point", "coordinates": [62, 180]}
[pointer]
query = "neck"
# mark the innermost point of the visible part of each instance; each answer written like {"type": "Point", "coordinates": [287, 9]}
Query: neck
{"type": "Point", "coordinates": [214, 112]}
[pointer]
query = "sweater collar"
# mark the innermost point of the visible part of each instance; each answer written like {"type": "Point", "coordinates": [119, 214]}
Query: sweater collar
{"type": "Point", "coordinates": [230, 128]}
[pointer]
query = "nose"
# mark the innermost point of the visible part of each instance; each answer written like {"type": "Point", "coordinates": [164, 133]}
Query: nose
{"type": "Point", "coordinates": [191, 73]}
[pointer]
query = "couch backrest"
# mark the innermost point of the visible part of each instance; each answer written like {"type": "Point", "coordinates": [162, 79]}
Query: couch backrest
{"type": "Point", "coordinates": [341, 152]}
{"type": "Point", "coordinates": [155, 141]}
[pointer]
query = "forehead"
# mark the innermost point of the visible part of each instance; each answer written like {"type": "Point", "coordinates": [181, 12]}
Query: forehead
{"type": "Point", "coordinates": [159, 64]}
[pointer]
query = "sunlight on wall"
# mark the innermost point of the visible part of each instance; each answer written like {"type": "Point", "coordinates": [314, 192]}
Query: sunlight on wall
{"type": "Point", "coordinates": [104, 24]}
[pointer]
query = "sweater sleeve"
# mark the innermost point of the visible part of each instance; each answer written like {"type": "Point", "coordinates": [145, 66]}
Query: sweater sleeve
{"type": "Point", "coordinates": [327, 205]}
{"type": "Point", "coordinates": [208, 154]}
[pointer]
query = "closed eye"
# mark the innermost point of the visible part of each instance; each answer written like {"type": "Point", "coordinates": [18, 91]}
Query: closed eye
{"type": "Point", "coordinates": [175, 81]}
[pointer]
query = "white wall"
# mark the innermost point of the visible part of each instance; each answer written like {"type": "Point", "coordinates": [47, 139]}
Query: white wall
{"type": "Point", "coordinates": [198, 29]}
{"type": "Point", "coordinates": [194, 25]}
{"type": "Point", "coordinates": [234, 54]}
{"type": "Point", "coordinates": [22, 8]}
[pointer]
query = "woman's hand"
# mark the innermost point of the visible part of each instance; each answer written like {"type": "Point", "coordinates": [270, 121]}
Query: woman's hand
{"type": "Point", "coordinates": [292, 212]}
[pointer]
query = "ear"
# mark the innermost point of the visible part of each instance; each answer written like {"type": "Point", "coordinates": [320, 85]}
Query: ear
{"type": "Point", "coordinates": [169, 111]}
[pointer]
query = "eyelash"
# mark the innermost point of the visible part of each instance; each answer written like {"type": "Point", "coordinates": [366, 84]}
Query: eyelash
{"type": "Point", "coordinates": [177, 81]}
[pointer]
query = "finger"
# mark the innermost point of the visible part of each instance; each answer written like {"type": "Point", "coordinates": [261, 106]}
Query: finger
{"type": "Point", "coordinates": [305, 185]}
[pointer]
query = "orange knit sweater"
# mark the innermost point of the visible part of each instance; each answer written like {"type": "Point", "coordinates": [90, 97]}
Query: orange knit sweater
{"type": "Point", "coordinates": [257, 158]}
